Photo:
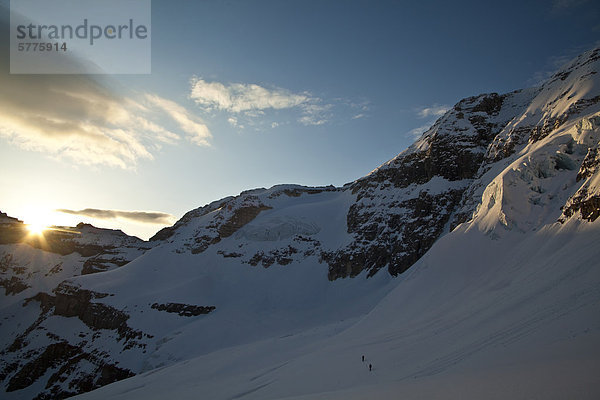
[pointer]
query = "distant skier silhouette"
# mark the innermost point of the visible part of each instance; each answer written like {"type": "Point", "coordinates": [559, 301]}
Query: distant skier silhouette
{"type": "Point", "coordinates": [370, 367]}
{"type": "Point", "coordinates": [363, 358]}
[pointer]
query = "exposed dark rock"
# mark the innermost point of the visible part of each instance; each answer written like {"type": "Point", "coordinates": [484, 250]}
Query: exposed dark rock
{"type": "Point", "coordinates": [226, 219]}
{"type": "Point", "coordinates": [587, 204]}
{"type": "Point", "coordinates": [6, 262]}
{"type": "Point", "coordinates": [394, 227]}
{"type": "Point", "coordinates": [9, 268]}
{"type": "Point", "coordinates": [75, 302]}
{"type": "Point", "coordinates": [99, 264]}
{"type": "Point", "coordinates": [203, 242]}
{"type": "Point", "coordinates": [46, 304]}
{"type": "Point", "coordinates": [47, 301]}
{"type": "Point", "coordinates": [51, 356]}
{"type": "Point", "coordinates": [65, 357]}
{"type": "Point", "coordinates": [184, 310]}
{"type": "Point", "coordinates": [550, 124]}
{"type": "Point", "coordinates": [13, 285]}
{"type": "Point", "coordinates": [590, 164]}
{"type": "Point", "coordinates": [241, 216]}
{"type": "Point", "coordinates": [490, 104]}
{"type": "Point", "coordinates": [70, 301]}
{"type": "Point", "coordinates": [503, 147]}
{"type": "Point", "coordinates": [581, 104]}
{"type": "Point", "coordinates": [280, 256]}
{"type": "Point", "coordinates": [167, 232]}
{"type": "Point", "coordinates": [226, 254]}
{"type": "Point", "coordinates": [297, 192]}
{"type": "Point", "coordinates": [393, 240]}
{"type": "Point", "coordinates": [55, 270]}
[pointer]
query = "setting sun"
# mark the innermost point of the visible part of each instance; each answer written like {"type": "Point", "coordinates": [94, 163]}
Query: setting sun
{"type": "Point", "coordinates": [36, 229]}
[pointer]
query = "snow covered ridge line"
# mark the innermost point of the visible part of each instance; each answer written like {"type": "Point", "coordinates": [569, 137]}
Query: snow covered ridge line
{"type": "Point", "coordinates": [402, 207]}
{"type": "Point", "coordinates": [437, 178]}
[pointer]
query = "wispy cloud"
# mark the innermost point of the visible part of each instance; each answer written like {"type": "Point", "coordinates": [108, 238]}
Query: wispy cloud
{"type": "Point", "coordinates": [148, 217]}
{"type": "Point", "coordinates": [84, 120]}
{"type": "Point", "coordinates": [316, 114]}
{"type": "Point", "coordinates": [245, 104]}
{"type": "Point", "coordinates": [431, 113]}
{"type": "Point", "coordinates": [77, 118]}
{"type": "Point", "coordinates": [436, 110]}
{"type": "Point", "coordinates": [197, 131]}
{"type": "Point", "coordinates": [240, 97]}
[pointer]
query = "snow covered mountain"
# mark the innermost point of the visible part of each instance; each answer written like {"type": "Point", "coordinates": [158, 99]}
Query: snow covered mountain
{"type": "Point", "coordinates": [467, 261]}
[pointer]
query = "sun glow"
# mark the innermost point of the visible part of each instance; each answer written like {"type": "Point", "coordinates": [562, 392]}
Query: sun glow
{"type": "Point", "coordinates": [38, 219]}
{"type": "Point", "coordinates": [36, 229]}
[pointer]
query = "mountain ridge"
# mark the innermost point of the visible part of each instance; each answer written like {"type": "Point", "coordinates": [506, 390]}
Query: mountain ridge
{"type": "Point", "coordinates": [496, 169]}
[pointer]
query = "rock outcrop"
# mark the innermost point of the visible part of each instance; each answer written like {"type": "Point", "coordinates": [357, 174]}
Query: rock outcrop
{"type": "Point", "coordinates": [184, 310]}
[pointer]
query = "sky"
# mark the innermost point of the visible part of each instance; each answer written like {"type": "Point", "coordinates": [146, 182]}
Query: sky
{"type": "Point", "coordinates": [253, 93]}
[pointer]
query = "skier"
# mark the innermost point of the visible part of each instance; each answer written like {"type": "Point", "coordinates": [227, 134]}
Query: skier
{"type": "Point", "coordinates": [370, 367]}
{"type": "Point", "coordinates": [363, 359]}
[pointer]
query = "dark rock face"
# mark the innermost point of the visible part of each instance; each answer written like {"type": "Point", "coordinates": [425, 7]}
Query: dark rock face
{"type": "Point", "coordinates": [405, 205]}
{"type": "Point", "coordinates": [229, 255]}
{"type": "Point", "coordinates": [549, 125]}
{"type": "Point", "coordinates": [587, 204]}
{"type": "Point", "coordinates": [167, 232]}
{"type": "Point", "coordinates": [395, 240]}
{"type": "Point", "coordinates": [220, 220]}
{"type": "Point", "coordinates": [102, 263]}
{"type": "Point", "coordinates": [502, 147]}
{"type": "Point", "coordinates": [585, 201]}
{"type": "Point", "coordinates": [280, 256]}
{"type": "Point", "coordinates": [581, 104]}
{"type": "Point", "coordinates": [402, 207]}
{"type": "Point", "coordinates": [297, 192]}
{"type": "Point", "coordinates": [590, 164]}
{"type": "Point", "coordinates": [184, 310]}
{"type": "Point", "coordinates": [65, 358]}
{"type": "Point", "coordinates": [75, 302]}
{"type": "Point", "coordinates": [70, 301]}
{"type": "Point", "coordinates": [13, 285]}
{"type": "Point", "coordinates": [590, 208]}
{"type": "Point", "coordinates": [33, 370]}
{"type": "Point", "coordinates": [241, 216]}
{"type": "Point", "coordinates": [11, 276]}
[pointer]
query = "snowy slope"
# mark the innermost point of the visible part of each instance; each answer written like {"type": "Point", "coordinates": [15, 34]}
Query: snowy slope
{"type": "Point", "coordinates": [181, 299]}
{"type": "Point", "coordinates": [504, 306]}
{"type": "Point", "coordinates": [469, 320]}
{"type": "Point", "coordinates": [490, 219]}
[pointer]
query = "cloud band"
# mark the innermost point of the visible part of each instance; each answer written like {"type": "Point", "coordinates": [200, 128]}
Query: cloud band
{"type": "Point", "coordinates": [148, 217]}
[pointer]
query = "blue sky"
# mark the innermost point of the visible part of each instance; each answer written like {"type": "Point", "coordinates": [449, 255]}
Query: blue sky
{"type": "Point", "coordinates": [247, 94]}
